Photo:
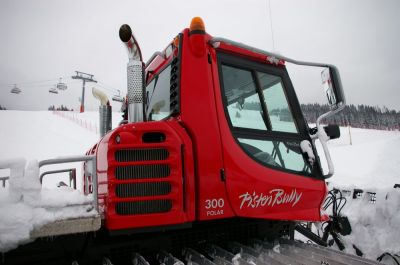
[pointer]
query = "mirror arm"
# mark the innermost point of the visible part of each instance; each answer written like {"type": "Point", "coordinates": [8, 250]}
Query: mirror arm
{"type": "Point", "coordinates": [324, 138]}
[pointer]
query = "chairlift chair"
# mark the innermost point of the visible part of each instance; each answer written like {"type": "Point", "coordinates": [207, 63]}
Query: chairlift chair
{"type": "Point", "coordinates": [53, 90]}
{"type": "Point", "coordinates": [15, 90]}
{"type": "Point", "coordinates": [61, 85]}
{"type": "Point", "coordinates": [118, 97]}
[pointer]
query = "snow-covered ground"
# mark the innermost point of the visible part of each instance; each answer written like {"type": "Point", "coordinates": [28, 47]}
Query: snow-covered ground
{"type": "Point", "coordinates": [370, 162]}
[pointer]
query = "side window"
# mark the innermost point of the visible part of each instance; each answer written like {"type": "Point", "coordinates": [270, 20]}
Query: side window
{"type": "Point", "coordinates": [244, 107]}
{"type": "Point", "coordinates": [158, 92]}
{"type": "Point", "coordinates": [281, 154]}
{"type": "Point", "coordinates": [261, 118]}
{"type": "Point", "coordinates": [277, 104]}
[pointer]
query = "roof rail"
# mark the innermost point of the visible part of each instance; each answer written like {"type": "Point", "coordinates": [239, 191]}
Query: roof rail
{"type": "Point", "coordinates": [214, 42]}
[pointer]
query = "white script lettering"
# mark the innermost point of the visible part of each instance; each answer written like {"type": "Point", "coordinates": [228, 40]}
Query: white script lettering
{"type": "Point", "coordinates": [274, 197]}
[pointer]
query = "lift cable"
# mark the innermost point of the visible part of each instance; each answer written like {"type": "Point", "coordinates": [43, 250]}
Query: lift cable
{"type": "Point", "coordinates": [33, 82]}
{"type": "Point", "coordinates": [107, 87]}
{"type": "Point", "coordinates": [33, 86]}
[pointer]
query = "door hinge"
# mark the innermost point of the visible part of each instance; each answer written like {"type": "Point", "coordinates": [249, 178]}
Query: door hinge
{"type": "Point", "coordinates": [222, 174]}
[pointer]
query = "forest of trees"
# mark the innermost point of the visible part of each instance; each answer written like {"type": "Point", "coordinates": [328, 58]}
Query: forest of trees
{"type": "Point", "coordinates": [60, 108]}
{"type": "Point", "coordinates": [361, 116]}
{"type": "Point", "coordinates": [2, 108]}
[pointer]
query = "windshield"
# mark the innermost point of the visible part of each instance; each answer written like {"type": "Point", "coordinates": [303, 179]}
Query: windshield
{"type": "Point", "coordinates": [158, 96]}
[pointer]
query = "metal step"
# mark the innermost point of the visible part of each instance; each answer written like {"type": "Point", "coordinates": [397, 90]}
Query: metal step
{"type": "Point", "coordinates": [68, 226]}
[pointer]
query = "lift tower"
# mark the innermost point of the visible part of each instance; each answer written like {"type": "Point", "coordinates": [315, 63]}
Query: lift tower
{"type": "Point", "coordinates": [85, 78]}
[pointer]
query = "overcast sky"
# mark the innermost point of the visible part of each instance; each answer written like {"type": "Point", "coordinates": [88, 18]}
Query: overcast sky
{"type": "Point", "coordinates": [47, 39]}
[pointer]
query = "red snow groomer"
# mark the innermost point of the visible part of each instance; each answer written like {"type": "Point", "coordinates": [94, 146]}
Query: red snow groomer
{"type": "Point", "coordinates": [214, 131]}
{"type": "Point", "coordinates": [214, 148]}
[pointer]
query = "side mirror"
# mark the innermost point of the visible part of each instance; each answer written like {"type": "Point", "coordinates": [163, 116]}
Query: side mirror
{"type": "Point", "coordinates": [333, 86]}
{"type": "Point", "coordinates": [332, 130]}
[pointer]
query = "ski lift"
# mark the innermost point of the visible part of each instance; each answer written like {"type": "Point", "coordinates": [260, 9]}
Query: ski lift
{"type": "Point", "coordinates": [53, 90]}
{"type": "Point", "coordinates": [118, 97]}
{"type": "Point", "coordinates": [15, 90]}
{"type": "Point", "coordinates": [61, 85]}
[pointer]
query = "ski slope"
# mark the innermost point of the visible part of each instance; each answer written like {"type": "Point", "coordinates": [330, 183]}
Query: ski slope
{"type": "Point", "coordinates": [370, 162]}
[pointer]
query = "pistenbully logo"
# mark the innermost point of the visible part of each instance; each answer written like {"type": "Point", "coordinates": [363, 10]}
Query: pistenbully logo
{"type": "Point", "coordinates": [274, 197]}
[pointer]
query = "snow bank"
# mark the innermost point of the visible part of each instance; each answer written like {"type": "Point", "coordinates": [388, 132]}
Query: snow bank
{"type": "Point", "coordinates": [25, 205]}
{"type": "Point", "coordinates": [375, 226]}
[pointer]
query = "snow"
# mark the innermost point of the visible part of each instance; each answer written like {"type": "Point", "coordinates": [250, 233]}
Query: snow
{"type": "Point", "coordinates": [26, 206]}
{"type": "Point", "coordinates": [375, 226]}
{"type": "Point", "coordinates": [371, 162]}
{"type": "Point", "coordinates": [19, 219]}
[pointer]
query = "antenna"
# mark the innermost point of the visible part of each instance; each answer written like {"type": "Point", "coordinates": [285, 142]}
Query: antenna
{"type": "Point", "coordinates": [85, 78]}
{"type": "Point", "coordinates": [270, 23]}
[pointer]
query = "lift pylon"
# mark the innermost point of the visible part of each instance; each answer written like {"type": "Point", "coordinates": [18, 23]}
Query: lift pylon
{"type": "Point", "coordinates": [85, 78]}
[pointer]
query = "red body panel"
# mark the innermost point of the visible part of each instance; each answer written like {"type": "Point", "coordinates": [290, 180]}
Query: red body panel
{"type": "Point", "coordinates": [211, 176]}
{"type": "Point", "coordinates": [199, 116]}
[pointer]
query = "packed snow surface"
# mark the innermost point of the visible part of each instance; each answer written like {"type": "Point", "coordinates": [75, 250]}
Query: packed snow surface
{"type": "Point", "coordinates": [366, 159]}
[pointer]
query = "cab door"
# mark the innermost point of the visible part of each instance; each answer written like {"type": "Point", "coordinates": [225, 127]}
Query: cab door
{"type": "Point", "coordinates": [262, 127]}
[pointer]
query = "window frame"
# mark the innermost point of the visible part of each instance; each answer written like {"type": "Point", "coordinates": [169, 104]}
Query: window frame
{"type": "Point", "coordinates": [268, 134]}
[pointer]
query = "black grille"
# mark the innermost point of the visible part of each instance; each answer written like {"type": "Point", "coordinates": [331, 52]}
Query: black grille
{"type": "Point", "coordinates": [143, 189]}
{"type": "Point", "coordinates": [128, 155]}
{"type": "Point", "coordinates": [142, 172]}
{"type": "Point", "coordinates": [143, 207]}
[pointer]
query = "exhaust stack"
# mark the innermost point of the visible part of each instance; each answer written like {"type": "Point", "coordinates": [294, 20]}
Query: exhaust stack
{"type": "Point", "coordinates": [135, 75]}
{"type": "Point", "coordinates": [104, 112]}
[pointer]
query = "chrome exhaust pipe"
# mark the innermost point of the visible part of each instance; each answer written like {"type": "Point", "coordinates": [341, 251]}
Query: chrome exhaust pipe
{"type": "Point", "coordinates": [105, 112]}
{"type": "Point", "coordinates": [135, 75]}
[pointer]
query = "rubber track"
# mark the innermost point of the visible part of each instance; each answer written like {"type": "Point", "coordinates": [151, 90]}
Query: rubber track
{"type": "Point", "coordinates": [257, 252]}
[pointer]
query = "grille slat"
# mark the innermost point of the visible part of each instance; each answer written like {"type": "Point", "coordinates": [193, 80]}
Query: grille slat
{"type": "Point", "coordinates": [135, 155]}
{"type": "Point", "coordinates": [142, 172]}
{"type": "Point", "coordinates": [143, 207]}
{"type": "Point", "coordinates": [143, 189]}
